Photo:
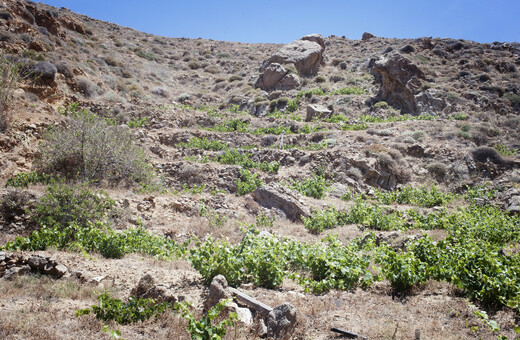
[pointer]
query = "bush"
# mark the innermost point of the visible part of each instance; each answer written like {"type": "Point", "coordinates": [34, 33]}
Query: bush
{"type": "Point", "coordinates": [86, 87]}
{"type": "Point", "coordinates": [89, 149]}
{"type": "Point", "coordinates": [136, 309]}
{"type": "Point", "coordinates": [247, 182]}
{"type": "Point", "coordinates": [64, 205]}
{"type": "Point", "coordinates": [9, 79]}
{"type": "Point", "coordinates": [312, 187]}
{"type": "Point", "coordinates": [13, 204]}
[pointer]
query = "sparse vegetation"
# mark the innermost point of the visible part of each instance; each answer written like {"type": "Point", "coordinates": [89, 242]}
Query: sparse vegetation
{"type": "Point", "coordinates": [89, 149]}
{"type": "Point", "coordinates": [9, 80]}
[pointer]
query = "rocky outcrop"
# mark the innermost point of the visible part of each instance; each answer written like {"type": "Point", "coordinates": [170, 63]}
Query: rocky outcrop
{"type": "Point", "coordinates": [276, 196]}
{"type": "Point", "coordinates": [17, 264]}
{"type": "Point", "coordinates": [276, 77]}
{"type": "Point", "coordinates": [400, 81]}
{"type": "Point", "coordinates": [306, 54]}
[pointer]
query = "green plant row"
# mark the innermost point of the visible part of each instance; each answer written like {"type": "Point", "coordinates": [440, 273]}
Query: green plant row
{"type": "Point", "coordinates": [98, 238]}
{"type": "Point", "coordinates": [266, 261]}
{"type": "Point", "coordinates": [316, 186]}
{"type": "Point", "coordinates": [235, 157]}
{"type": "Point", "coordinates": [237, 125]}
{"type": "Point", "coordinates": [24, 179]}
{"type": "Point", "coordinates": [135, 310]}
{"type": "Point", "coordinates": [140, 310]}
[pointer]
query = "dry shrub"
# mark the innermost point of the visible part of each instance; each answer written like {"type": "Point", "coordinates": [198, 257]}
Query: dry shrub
{"type": "Point", "coordinates": [437, 169]}
{"type": "Point", "coordinates": [89, 149]}
{"type": "Point", "coordinates": [87, 87]}
{"type": "Point", "coordinates": [9, 79]}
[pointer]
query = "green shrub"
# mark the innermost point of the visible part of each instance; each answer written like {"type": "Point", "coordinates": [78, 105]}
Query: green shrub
{"type": "Point", "coordinates": [65, 205]}
{"type": "Point", "coordinates": [325, 219]}
{"type": "Point", "coordinates": [138, 123]}
{"type": "Point", "coordinates": [312, 187]}
{"type": "Point", "coordinates": [23, 179]}
{"type": "Point", "coordinates": [89, 149]}
{"type": "Point", "coordinates": [135, 310]}
{"type": "Point", "coordinates": [207, 328]}
{"type": "Point", "coordinates": [247, 182]}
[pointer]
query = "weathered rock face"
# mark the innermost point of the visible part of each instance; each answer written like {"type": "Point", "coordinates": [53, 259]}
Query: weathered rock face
{"type": "Point", "coordinates": [281, 321]}
{"type": "Point", "coordinates": [367, 36]}
{"type": "Point", "coordinates": [400, 81]}
{"type": "Point", "coordinates": [147, 289]}
{"type": "Point", "coordinates": [317, 111]}
{"type": "Point", "coordinates": [306, 54]}
{"type": "Point", "coordinates": [275, 77]}
{"type": "Point", "coordinates": [429, 101]}
{"type": "Point", "coordinates": [276, 196]}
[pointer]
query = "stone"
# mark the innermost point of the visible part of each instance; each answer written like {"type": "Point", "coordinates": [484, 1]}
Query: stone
{"type": "Point", "coordinates": [367, 36]}
{"type": "Point", "coordinates": [400, 81]}
{"type": "Point", "coordinates": [276, 77]}
{"type": "Point", "coordinates": [146, 283]}
{"type": "Point", "coordinates": [11, 272]}
{"type": "Point", "coordinates": [273, 73]}
{"type": "Point", "coordinates": [430, 101]}
{"type": "Point", "coordinates": [306, 54]}
{"type": "Point", "coordinates": [315, 37]}
{"type": "Point", "coordinates": [281, 321]}
{"type": "Point", "coordinates": [276, 196]}
{"type": "Point", "coordinates": [218, 290]}
{"type": "Point", "coordinates": [244, 314]}
{"type": "Point", "coordinates": [289, 82]}
{"type": "Point", "coordinates": [514, 205]}
{"type": "Point", "coordinates": [37, 262]}
{"type": "Point", "coordinates": [59, 271]}
{"type": "Point", "coordinates": [317, 111]}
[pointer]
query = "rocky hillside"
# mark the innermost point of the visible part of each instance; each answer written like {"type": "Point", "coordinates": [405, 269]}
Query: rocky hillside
{"type": "Point", "coordinates": [371, 185]}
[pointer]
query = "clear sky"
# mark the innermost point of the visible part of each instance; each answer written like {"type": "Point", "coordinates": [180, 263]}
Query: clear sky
{"type": "Point", "coordinates": [282, 21]}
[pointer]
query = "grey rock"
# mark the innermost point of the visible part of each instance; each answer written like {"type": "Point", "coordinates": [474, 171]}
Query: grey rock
{"type": "Point", "coordinates": [281, 321]}
{"type": "Point", "coordinates": [11, 272]}
{"type": "Point", "coordinates": [306, 54]}
{"type": "Point", "coordinates": [244, 314]}
{"type": "Point", "coordinates": [514, 205]}
{"type": "Point", "coordinates": [317, 111]}
{"type": "Point", "coordinates": [59, 271]}
{"type": "Point", "coordinates": [276, 196]}
{"type": "Point", "coordinates": [276, 77]}
{"type": "Point", "coordinates": [367, 36]}
{"type": "Point", "coordinates": [37, 262]}
{"type": "Point", "coordinates": [289, 82]}
{"type": "Point", "coordinates": [273, 73]}
{"type": "Point", "coordinates": [317, 38]}
{"type": "Point", "coordinates": [218, 290]}
{"type": "Point", "coordinates": [400, 81]}
{"type": "Point", "coordinates": [429, 101]}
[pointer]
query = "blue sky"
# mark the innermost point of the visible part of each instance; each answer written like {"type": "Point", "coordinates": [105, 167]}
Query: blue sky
{"type": "Point", "coordinates": [282, 21]}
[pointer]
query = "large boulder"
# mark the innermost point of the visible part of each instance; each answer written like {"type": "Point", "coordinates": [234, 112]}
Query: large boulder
{"type": "Point", "coordinates": [276, 196]}
{"type": "Point", "coordinates": [306, 54]}
{"type": "Point", "coordinates": [400, 81]}
{"type": "Point", "coordinates": [276, 77]}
